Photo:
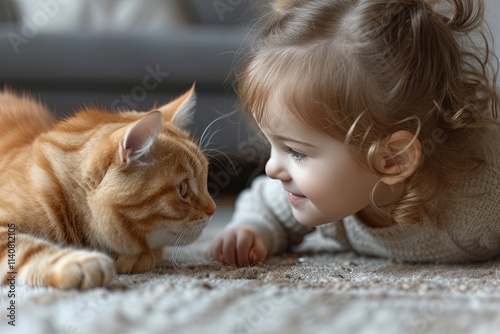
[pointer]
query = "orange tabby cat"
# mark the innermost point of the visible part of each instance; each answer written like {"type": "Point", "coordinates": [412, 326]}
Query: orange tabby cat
{"type": "Point", "coordinates": [95, 192]}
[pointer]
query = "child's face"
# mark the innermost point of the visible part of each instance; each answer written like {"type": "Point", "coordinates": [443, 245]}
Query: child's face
{"type": "Point", "coordinates": [323, 182]}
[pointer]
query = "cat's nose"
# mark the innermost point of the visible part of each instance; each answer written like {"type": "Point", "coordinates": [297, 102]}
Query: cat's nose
{"type": "Point", "coordinates": [210, 210]}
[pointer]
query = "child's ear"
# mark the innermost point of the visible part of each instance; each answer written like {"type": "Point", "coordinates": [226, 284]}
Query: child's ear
{"type": "Point", "coordinates": [399, 157]}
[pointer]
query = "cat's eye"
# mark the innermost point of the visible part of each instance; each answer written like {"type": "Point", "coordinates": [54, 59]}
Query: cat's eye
{"type": "Point", "coordinates": [183, 188]}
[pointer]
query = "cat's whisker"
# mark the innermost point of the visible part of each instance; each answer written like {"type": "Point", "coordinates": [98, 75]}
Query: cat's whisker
{"type": "Point", "coordinates": [192, 235]}
{"type": "Point", "coordinates": [174, 257]}
{"type": "Point", "coordinates": [178, 249]}
{"type": "Point", "coordinates": [176, 242]}
{"type": "Point", "coordinates": [188, 248]}
{"type": "Point", "coordinates": [203, 138]}
{"type": "Point", "coordinates": [204, 134]}
{"type": "Point", "coordinates": [196, 231]}
{"type": "Point", "coordinates": [216, 152]}
{"type": "Point", "coordinates": [216, 160]}
{"type": "Point", "coordinates": [199, 257]}
{"type": "Point", "coordinates": [212, 156]}
{"type": "Point", "coordinates": [174, 263]}
{"type": "Point", "coordinates": [225, 166]}
{"type": "Point", "coordinates": [210, 139]}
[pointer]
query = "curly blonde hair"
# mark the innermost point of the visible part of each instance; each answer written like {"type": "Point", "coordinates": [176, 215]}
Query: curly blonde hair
{"type": "Point", "coordinates": [360, 70]}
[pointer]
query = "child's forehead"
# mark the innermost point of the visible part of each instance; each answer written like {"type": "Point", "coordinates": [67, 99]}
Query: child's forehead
{"type": "Point", "coordinates": [296, 110]}
{"type": "Point", "coordinates": [273, 111]}
{"type": "Point", "coordinates": [279, 124]}
{"type": "Point", "coordinates": [276, 116]}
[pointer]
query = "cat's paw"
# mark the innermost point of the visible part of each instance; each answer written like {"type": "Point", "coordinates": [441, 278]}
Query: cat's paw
{"type": "Point", "coordinates": [81, 269]}
{"type": "Point", "coordinates": [138, 263]}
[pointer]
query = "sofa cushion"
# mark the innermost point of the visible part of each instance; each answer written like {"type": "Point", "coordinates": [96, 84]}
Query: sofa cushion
{"type": "Point", "coordinates": [222, 12]}
{"type": "Point", "coordinates": [202, 55]}
{"type": "Point", "coordinates": [101, 16]}
{"type": "Point", "coordinates": [7, 13]}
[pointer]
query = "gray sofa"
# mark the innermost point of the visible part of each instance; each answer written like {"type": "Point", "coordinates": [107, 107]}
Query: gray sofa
{"type": "Point", "coordinates": [68, 70]}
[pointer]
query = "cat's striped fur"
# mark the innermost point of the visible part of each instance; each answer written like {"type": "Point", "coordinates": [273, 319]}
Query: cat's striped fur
{"type": "Point", "coordinates": [97, 192]}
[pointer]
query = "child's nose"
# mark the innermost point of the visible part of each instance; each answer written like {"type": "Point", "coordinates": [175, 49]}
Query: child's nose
{"type": "Point", "coordinates": [275, 170]}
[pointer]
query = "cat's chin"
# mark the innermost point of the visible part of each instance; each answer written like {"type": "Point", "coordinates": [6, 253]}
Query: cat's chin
{"type": "Point", "coordinates": [189, 233]}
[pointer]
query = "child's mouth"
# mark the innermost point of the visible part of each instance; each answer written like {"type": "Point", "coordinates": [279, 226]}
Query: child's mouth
{"type": "Point", "coordinates": [295, 199]}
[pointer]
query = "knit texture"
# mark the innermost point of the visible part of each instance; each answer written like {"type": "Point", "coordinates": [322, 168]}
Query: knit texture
{"type": "Point", "coordinates": [468, 232]}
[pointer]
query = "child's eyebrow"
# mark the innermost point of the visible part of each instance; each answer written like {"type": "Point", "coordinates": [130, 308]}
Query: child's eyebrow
{"type": "Point", "coordinates": [284, 138]}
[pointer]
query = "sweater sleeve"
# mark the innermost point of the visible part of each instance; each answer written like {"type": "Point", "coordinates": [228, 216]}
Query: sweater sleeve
{"type": "Point", "coordinates": [265, 207]}
{"type": "Point", "coordinates": [420, 243]}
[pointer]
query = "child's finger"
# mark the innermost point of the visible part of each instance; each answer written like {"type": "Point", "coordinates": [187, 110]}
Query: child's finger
{"type": "Point", "coordinates": [244, 241]}
{"type": "Point", "coordinates": [229, 248]}
{"type": "Point", "coordinates": [258, 252]}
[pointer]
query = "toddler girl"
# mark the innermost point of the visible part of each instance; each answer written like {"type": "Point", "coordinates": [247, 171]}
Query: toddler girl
{"type": "Point", "coordinates": [381, 115]}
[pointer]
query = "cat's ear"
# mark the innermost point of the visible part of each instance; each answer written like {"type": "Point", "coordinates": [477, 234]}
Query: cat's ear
{"type": "Point", "coordinates": [180, 111]}
{"type": "Point", "coordinates": [140, 137]}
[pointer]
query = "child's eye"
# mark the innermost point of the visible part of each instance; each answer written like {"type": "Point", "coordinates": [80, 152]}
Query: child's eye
{"type": "Point", "coordinates": [294, 154]}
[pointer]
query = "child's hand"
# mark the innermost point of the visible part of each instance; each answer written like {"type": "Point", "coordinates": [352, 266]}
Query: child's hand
{"type": "Point", "coordinates": [239, 245]}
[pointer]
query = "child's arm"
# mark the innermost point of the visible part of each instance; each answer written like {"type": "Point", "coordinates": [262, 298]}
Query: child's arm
{"type": "Point", "coordinates": [262, 225]}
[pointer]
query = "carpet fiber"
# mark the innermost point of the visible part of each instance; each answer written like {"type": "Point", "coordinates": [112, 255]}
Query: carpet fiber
{"type": "Point", "coordinates": [312, 291]}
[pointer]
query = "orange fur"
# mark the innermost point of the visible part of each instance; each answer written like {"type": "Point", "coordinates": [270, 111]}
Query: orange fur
{"type": "Point", "coordinates": [97, 192]}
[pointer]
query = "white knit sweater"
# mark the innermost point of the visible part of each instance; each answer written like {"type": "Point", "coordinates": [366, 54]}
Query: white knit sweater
{"type": "Point", "coordinates": [469, 232]}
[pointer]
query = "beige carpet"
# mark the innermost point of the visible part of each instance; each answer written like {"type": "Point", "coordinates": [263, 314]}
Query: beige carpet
{"type": "Point", "coordinates": [313, 291]}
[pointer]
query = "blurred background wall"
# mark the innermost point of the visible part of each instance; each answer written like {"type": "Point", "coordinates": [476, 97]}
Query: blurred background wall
{"type": "Point", "coordinates": [132, 54]}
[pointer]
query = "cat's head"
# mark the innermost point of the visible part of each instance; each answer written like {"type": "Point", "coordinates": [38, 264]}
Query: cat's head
{"type": "Point", "coordinates": [146, 179]}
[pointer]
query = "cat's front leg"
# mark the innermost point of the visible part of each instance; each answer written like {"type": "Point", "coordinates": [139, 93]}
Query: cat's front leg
{"type": "Point", "coordinates": [37, 262]}
{"type": "Point", "coordinates": [138, 263]}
